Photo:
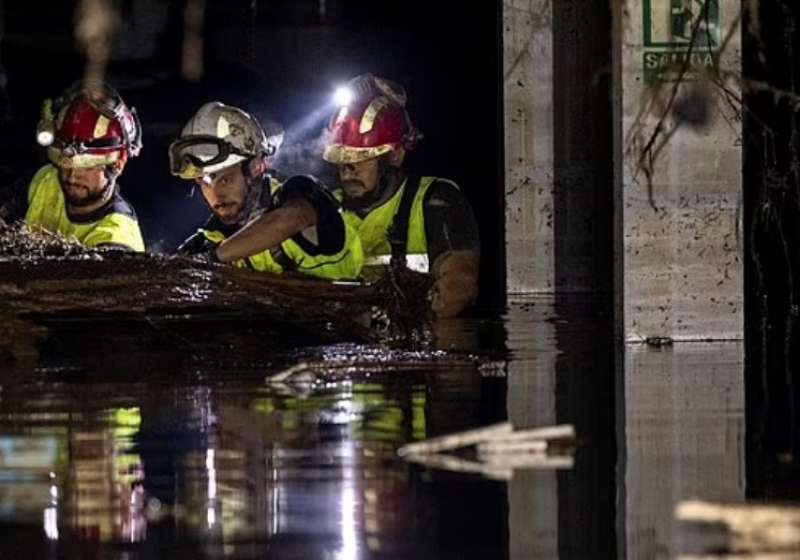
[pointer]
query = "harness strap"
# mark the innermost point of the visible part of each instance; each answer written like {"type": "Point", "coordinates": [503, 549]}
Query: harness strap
{"type": "Point", "coordinates": [398, 231]}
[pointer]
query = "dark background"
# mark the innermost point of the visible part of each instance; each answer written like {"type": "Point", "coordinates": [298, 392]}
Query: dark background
{"type": "Point", "coordinates": [279, 59]}
{"type": "Point", "coordinates": [772, 235]}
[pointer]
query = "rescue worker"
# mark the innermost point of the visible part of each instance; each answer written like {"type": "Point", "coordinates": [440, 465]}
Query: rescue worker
{"type": "Point", "coordinates": [297, 226]}
{"type": "Point", "coordinates": [90, 133]}
{"type": "Point", "coordinates": [427, 219]}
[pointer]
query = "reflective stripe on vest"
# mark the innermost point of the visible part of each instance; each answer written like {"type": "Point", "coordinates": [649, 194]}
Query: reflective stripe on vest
{"type": "Point", "coordinates": [47, 209]}
{"type": "Point", "coordinates": [344, 265]}
{"type": "Point", "coordinates": [416, 262]}
{"type": "Point", "coordinates": [374, 228]}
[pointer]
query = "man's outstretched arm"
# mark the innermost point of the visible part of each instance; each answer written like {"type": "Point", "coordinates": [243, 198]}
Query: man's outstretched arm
{"type": "Point", "coordinates": [268, 230]}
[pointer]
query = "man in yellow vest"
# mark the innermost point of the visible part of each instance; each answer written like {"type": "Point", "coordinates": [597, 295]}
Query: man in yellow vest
{"type": "Point", "coordinates": [90, 134]}
{"type": "Point", "coordinates": [426, 218]}
{"type": "Point", "coordinates": [256, 222]}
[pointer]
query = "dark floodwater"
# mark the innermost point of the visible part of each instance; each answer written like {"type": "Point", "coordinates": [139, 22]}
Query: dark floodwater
{"type": "Point", "coordinates": [146, 440]}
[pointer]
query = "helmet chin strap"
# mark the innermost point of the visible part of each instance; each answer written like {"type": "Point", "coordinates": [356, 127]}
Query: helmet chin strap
{"type": "Point", "coordinates": [257, 188]}
{"type": "Point", "coordinates": [111, 176]}
{"type": "Point", "coordinates": [111, 181]}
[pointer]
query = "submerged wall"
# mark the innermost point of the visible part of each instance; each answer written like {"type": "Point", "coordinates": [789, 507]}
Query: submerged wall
{"type": "Point", "coordinates": [623, 159]}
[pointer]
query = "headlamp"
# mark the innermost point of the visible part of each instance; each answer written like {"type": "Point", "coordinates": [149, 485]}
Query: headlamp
{"type": "Point", "coordinates": [343, 96]}
{"type": "Point", "coordinates": [45, 129]}
{"type": "Point", "coordinates": [44, 138]}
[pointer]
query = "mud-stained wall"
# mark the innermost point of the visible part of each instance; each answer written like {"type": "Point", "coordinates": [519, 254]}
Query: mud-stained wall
{"type": "Point", "coordinates": [558, 189]}
{"type": "Point", "coordinates": [678, 170]}
{"type": "Point", "coordinates": [528, 95]}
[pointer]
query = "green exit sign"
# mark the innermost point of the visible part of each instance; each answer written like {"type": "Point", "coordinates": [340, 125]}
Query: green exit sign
{"type": "Point", "coordinates": [671, 23]}
{"type": "Point", "coordinates": [679, 34]}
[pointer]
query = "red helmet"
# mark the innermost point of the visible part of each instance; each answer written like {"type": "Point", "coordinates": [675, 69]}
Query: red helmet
{"type": "Point", "coordinates": [375, 123]}
{"type": "Point", "coordinates": [91, 125]}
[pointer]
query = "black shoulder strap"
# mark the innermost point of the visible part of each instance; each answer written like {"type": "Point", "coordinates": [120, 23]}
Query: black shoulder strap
{"type": "Point", "coordinates": [398, 232]}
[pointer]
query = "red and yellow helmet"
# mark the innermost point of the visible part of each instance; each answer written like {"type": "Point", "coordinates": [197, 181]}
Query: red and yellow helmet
{"type": "Point", "coordinates": [90, 125]}
{"type": "Point", "coordinates": [373, 124]}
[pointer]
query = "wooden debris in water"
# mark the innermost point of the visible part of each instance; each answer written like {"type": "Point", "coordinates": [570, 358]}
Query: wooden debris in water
{"type": "Point", "coordinates": [495, 438]}
{"type": "Point", "coordinates": [385, 361]}
{"type": "Point", "coordinates": [528, 460]}
{"type": "Point", "coordinates": [45, 275]}
{"type": "Point", "coordinates": [495, 448]}
{"type": "Point", "coordinates": [552, 434]}
{"type": "Point", "coordinates": [750, 530]}
{"type": "Point", "coordinates": [499, 450]}
{"type": "Point", "coordinates": [458, 464]}
{"type": "Point", "coordinates": [456, 441]}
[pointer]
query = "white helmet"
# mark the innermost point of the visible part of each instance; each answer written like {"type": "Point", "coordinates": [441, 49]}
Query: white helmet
{"type": "Point", "coordinates": [219, 136]}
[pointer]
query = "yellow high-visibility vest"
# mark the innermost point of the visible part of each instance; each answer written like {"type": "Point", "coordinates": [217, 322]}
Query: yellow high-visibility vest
{"type": "Point", "coordinates": [47, 209]}
{"type": "Point", "coordinates": [374, 228]}
{"type": "Point", "coordinates": [344, 265]}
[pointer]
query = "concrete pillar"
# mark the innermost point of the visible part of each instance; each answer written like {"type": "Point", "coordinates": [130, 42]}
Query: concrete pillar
{"type": "Point", "coordinates": [678, 236]}
{"type": "Point", "coordinates": [559, 187]}
{"type": "Point", "coordinates": [528, 94]}
{"type": "Point", "coordinates": [682, 436]}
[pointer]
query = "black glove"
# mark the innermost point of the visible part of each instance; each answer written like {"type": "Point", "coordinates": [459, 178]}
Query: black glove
{"type": "Point", "coordinates": [200, 247]}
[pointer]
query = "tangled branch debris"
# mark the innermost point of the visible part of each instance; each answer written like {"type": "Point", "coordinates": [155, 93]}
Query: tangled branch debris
{"type": "Point", "coordinates": [43, 275]}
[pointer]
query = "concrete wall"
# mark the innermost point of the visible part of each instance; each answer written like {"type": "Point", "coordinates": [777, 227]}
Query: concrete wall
{"type": "Point", "coordinates": [678, 247]}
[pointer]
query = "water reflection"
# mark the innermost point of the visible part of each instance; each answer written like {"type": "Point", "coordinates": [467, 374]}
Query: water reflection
{"type": "Point", "coordinates": [183, 454]}
{"type": "Point", "coordinates": [683, 437]}
{"type": "Point", "coordinates": [79, 477]}
{"type": "Point", "coordinates": [562, 371]}
{"type": "Point", "coordinates": [232, 467]}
